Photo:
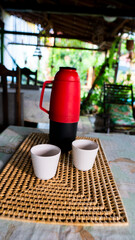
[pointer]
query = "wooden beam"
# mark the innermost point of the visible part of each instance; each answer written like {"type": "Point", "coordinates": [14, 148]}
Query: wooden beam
{"type": "Point", "coordinates": [71, 29]}
{"type": "Point", "coordinates": [44, 35]}
{"type": "Point", "coordinates": [67, 36]}
{"type": "Point", "coordinates": [118, 27]}
{"type": "Point", "coordinates": [69, 10]}
{"type": "Point", "coordinates": [22, 33]}
{"type": "Point", "coordinates": [79, 20]}
{"type": "Point", "coordinates": [71, 25]}
{"type": "Point", "coordinates": [64, 47]}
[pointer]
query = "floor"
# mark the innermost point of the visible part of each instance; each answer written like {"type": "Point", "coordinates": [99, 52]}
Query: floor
{"type": "Point", "coordinates": [84, 125]}
{"type": "Point", "coordinates": [32, 112]}
{"type": "Point", "coordinates": [34, 115]}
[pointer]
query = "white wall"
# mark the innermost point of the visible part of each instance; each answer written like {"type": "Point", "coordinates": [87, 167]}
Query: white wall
{"type": "Point", "coordinates": [19, 53]}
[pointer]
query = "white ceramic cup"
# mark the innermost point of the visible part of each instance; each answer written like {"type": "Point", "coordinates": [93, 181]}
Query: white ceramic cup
{"type": "Point", "coordinates": [45, 158]}
{"type": "Point", "coordinates": [84, 153]}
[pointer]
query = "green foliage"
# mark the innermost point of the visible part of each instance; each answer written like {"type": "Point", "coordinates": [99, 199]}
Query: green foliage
{"type": "Point", "coordinates": [80, 59]}
{"type": "Point", "coordinates": [107, 75]}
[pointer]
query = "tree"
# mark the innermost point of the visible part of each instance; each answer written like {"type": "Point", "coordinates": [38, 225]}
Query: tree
{"type": "Point", "coordinates": [102, 71]}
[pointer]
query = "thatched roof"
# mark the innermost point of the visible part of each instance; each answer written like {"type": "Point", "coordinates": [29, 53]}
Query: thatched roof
{"type": "Point", "coordinates": [77, 19]}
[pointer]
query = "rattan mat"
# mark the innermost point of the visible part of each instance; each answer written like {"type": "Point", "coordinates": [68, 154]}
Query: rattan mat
{"type": "Point", "coordinates": [72, 197]}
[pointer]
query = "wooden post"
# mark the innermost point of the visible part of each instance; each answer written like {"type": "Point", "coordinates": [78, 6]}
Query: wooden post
{"type": "Point", "coordinates": [2, 45]}
{"type": "Point", "coordinates": [18, 98]}
{"type": "Point", "coordinates": [4, 72]}
{"type": "Point", "coordinates": [36, 79]}
{"type": "Point", "coordinates": [116, 72]}
{"type": "Point", "coordinates": [5, 101]}
{"type": "Point", "coordinates": [117, 64]}
{"type": "Point", "coordinates": [28, 80]}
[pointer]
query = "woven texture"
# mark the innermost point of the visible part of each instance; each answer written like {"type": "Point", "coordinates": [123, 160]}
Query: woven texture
{"type": "Point", "coordinates": [72, 197]}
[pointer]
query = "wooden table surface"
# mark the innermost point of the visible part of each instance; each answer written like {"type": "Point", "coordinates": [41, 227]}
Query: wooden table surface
{"type": "Point", "coordinates": [120, 152]}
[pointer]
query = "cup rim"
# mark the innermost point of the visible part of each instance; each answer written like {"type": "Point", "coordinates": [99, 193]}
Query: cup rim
{"type": "Point", "coordinates": [44, 145]}
{"type": "Point", "coordinates": [87, 141]}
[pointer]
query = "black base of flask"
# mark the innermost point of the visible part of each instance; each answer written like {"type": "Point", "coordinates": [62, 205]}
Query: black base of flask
{"type": "Point", "coordinates": [62, 134]}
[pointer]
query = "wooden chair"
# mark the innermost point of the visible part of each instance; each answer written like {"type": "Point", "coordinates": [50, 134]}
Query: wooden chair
{"type": "Point", "coordinates": [28, 79]}
{"type": "Point", "coordinates": [118, 108]}
{"type": "Point", "coordinates": [4, 73]}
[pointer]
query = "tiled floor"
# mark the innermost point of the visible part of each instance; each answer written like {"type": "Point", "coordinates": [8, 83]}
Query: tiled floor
{"type": "Point", "coordinates": [32, 112]}
{"type": "Point", "coordinates": [85, 126]}
{"type": "Point", "coordinates": [35, 117]}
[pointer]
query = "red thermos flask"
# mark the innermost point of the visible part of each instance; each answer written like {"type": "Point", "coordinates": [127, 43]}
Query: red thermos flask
{"type": "Point", "coordinates": [64, 107]}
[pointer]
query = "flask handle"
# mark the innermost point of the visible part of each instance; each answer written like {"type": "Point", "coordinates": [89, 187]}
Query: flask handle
{"type": "Point", "coordinates": [42, 96]}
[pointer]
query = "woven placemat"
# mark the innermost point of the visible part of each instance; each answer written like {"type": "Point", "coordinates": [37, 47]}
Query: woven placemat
{"type": "Point", "coordinates": [72, 197]}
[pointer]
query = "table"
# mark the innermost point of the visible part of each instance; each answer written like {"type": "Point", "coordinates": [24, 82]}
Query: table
{"type": "Point", "coordinates": [120, 152]}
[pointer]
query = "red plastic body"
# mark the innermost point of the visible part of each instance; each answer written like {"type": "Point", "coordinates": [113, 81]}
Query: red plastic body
{"type": "Point", "coordinates": [65, 97]}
